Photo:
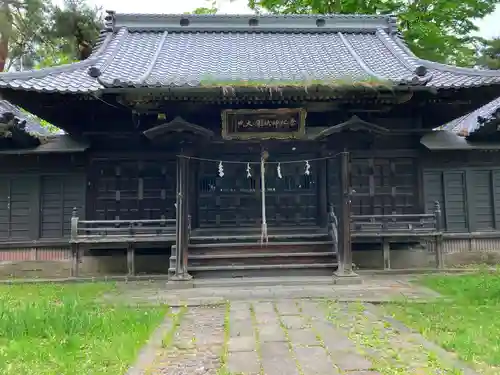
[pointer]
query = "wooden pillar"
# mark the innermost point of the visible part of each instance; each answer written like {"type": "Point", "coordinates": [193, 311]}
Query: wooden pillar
{"type": "Point", "coordinates": [75, 247]}
{"type": "Point", "coordinates": [181, 222]}
{"type": "Point", "coordinates": [345, 250]}
{"type": "Point", "coordinates": [386, 249]}
{"type": "Point", "coordinates": [439, 235]}
{"type": "Point", "coordinates": [185, 215]}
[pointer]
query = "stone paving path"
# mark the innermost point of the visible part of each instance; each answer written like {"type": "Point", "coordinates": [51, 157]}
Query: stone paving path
{"type": "Point", "coordinates": [293, 337]}
{"type": "Point", "coordinates": [371, 290]}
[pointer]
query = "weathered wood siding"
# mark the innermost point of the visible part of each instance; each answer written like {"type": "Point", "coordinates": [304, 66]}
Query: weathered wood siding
{"type": "Point", "coordinates": [384, 185]}
{"type": "Point", "coordinates": [37, 196]}
{"type": "Point", "coordinates": [16, 211]}
{"type": "Point", "coordinates": [132, 189]}
{"type": "Point", "coordinates": [59, 194]}
{"type": "Point", "coordinates": [468, 190]}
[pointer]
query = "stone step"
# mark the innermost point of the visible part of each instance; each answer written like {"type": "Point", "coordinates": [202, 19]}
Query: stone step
{"type": "Point", "coordinates": [324, 268]}
{"type": "Point", "coordinates": [255, 237]}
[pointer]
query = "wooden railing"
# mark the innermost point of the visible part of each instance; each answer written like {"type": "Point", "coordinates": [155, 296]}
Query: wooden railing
{"type": "Point", "coordinates": [128, 233]}
{"type": "Point", "coordinates": [399, 227]}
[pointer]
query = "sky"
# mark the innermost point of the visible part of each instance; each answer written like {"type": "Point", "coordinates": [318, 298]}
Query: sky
{"type": "Point", "coordinates": [489, 26]}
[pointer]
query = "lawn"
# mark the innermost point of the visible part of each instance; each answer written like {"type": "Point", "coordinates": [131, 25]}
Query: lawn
{"type": "Point", "coordinates": [466, 323]}
{"type": "Point", "coordinates": [62, 329]}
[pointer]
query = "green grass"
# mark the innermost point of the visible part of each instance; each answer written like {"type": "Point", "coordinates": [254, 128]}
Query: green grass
{"type": "Point", "coordinates": [49, 329]}
{"type": "Point", "coordinates": [466, 323]}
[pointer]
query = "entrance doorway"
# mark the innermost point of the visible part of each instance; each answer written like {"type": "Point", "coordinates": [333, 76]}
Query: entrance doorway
{"type": "Point", "coordinates": [234, 199]}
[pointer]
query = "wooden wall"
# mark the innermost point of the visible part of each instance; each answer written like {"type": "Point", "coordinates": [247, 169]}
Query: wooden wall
{"type": "Point", "coordinates": [37, 196]}
{"type": "Point", "coordinates": [468, 187]}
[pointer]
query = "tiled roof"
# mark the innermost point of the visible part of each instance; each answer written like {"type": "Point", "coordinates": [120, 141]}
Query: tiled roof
{"type": "Point", "coordinates": [137, 50]}
{"type": "Point", "coordinates": [473, 121]}
{"type": "Point", "coordinates": [32, 126]}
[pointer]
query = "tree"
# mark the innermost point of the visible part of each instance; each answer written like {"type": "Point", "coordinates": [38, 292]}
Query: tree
{"type": "Point", "coordinates": [35, 31]}
{"type": "Point", "coordinates": [211, 8]}
{"type": "Point", "coordinates": [490, 54]}
{"type": "Point", "coordinates": [437, 30]}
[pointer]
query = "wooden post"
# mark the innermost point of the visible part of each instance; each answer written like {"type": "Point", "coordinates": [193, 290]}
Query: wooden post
{"type": "Point", "coordinates": [386, 249]}
{"type": "Point", "coordinates": [181, 222]}
{"type": "Point", "coordinates": [185, 216]}
{"type": "Point", "coordinates": [75, 249]}
{"type": "Point", "coordinates": [345, 251]}
{"type": "Point", "coordinates": [131, 253]}
{"type": "Point", "coordinates": [439, 236]}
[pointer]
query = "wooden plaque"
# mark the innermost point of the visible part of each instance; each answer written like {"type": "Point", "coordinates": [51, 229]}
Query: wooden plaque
{"type": "Point", "coordinates": [282, 123]}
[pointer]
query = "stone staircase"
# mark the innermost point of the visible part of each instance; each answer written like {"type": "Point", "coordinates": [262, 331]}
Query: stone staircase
{"type": "Point", "coordinates": [292, 253]}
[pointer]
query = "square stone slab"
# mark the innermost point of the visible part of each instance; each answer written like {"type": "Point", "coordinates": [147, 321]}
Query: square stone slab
{"type": "Point", "coordinates": [277, 359]}
{"type": "Point", "coordinates": [294, 322]}
{"type": "Point", "coordinates": [287, 308]}
{"type": "Point", "coordinates": [315, 361]}
{"type": "Point", "coordinates": [303, 337]}
{"type": "Point", "coordinates": [271, 333]}
{"type": "Point", "coordinates": [350, 361]}
{"type": "Point", "coordinates": [241, 344]}
{"type": "Point", "coordinates": [243, 363]}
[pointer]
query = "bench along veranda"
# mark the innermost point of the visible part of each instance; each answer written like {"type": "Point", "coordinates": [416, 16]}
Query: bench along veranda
{"type": "Point", "coordinates": [387, 229]}
{"type": "Point", "coordinates": [118, 233]}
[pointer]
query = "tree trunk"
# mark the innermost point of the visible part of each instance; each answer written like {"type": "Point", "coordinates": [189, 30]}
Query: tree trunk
{"type": "Point", "coordinates": [5, 33]}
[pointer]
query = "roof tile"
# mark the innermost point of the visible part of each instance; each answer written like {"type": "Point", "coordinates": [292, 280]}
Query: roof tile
{"type": "Point", "coordinates": [473, 121]}
{"type": "Point", "coordinates": [155, 50]}
{"type": "Point", "coordinates": [32, 125]}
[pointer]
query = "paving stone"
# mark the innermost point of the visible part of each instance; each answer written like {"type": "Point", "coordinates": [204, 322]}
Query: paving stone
{"type": "Point", "coordinates": [303, 337]}
{"type": "Point", "coordinates": [294, 322]}
{"type": "Point", "coordinates": [287, 307]}
{"type": "Point", "coordinates": [263, 308]}
{"type": "Point", "coordinates": [271, 333]}
{"type": "Point", "coordinates": [243, 362]}
{"type": "Point", "coordinates": [277, 359]}
{"type": "Point", "coordinates": [240, 311]}
{"type": "Point", "coordinates": [237, 330]}
{"type": "Point", "coordinates": [364, 373]}
{"type": "Point", "coordinates": [267, 318]}
{"type": "Point", "coordinates": [349, 361]}
{"type": "Point", "coordinates": [315, 361]}
{"type": "Point", "coordinates": [241, 344]}
{"type": "Point", "coordinates": [333, 338]}
{"type": "Point", "coordinates": [312, 309]}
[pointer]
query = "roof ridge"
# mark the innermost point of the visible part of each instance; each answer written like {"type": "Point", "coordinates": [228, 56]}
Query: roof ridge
{"type": "Point", "coordinates": [152, 63]}
{"type": "Point", "coordinates": [254, 22]}
{"type": "Point", "coordinates": [358, 58]}
{"type": "Point", "coordinates": [408, 60]}
{"type": "Point", "coordinates": [446, 67]}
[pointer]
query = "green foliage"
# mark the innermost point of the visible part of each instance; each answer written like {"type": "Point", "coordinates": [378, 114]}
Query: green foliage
{"type": "Point", "coordinates": [211, 8]}
{"type": "Point", "coordinates": [465, 321]}
{"type": "Point", "coordinates": [490, 54]}
{"type": "Point", "coordinates": [61, 329]}
{"type": "Point", "coordinates": [32, 32]}
{"type": "Point", "coordinates": [437, 30]}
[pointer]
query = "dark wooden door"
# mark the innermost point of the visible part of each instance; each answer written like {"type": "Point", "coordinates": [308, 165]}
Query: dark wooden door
{"type": "Point", "coordinates": [234, 199]}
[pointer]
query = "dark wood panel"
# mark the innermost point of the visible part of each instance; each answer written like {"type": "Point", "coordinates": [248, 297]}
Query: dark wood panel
{"type": "Point", "coordinates": [132, 189]}
{"type": "Point", "coordinates": [59, 195]}
{"type": "Point", "coordinates": [16, 214]}
{"type": "Point", "coordinates": [234, 199]}
{"type": "Point", "coordinates": [384, 185]}
{"type": "Point", "coordinates": [481, 200]}
{"type": "Point", "coordinates": [433, 189]}
{"type": "Point", "coordinates": [455, 201]}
